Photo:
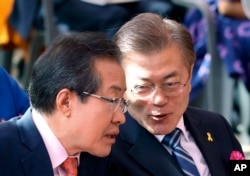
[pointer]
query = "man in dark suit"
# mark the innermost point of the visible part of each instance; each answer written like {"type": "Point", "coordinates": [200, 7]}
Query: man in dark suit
{"type": "Point", "coordinates": [158, 59]}
{"type": "Point", "coordinates": [77, 106]}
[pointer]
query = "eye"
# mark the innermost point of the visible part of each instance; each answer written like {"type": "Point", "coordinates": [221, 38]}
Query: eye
{"type": "Point", "coordinates": [171, 85]}
{"type": "Point", "coordinates": [143, 88]}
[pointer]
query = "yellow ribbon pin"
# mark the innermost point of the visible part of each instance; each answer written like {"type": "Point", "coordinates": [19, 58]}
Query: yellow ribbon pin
{"type": "Point", "coordinates": [209, 137]}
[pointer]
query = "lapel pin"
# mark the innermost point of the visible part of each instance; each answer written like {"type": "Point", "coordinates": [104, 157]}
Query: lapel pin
{"type": "Point", "coordinates": [209, 137]}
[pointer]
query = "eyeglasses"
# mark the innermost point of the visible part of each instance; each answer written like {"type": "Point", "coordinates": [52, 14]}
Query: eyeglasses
{"type": "Point", "coordinates": [170, 89]}
{"type": "Point", "coordinates": [115, 102]}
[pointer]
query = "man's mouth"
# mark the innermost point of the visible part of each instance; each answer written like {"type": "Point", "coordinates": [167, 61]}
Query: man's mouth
{"type": "Point", "coordinates": [111, 136]}
{"type": "Point", "coordinates": [158, 117]}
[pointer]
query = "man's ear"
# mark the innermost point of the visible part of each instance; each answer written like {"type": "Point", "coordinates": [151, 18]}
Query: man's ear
{"type": "Point", "coordinates": [191, 72]}
{"type": "Point", "coordinates": [64, 100]}
{"type": "Point", "coordinates": [189, 86]}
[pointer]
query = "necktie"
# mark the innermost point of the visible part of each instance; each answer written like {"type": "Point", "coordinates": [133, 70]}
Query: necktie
{"type": "Point", "coordinates": [183, 158]}
{"type": "Point", "coordinates": [70, 166]}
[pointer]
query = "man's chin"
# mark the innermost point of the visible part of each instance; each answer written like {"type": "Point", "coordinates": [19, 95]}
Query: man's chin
{"type": "Point", "coordinates": [103, 152]}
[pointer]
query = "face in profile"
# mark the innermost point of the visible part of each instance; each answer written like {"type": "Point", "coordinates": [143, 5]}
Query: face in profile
{"type": "Point", "coordinates": [158, 87]}
{"type": "Point", "coordinates": [97, 121]}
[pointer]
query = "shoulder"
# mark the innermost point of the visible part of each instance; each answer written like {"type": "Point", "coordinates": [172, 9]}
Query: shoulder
{"type": "Point", "coordinates": [9, 138]}
{"type": "Point", "coordinates": [198, 113]}
{"type": "Point", "coordinates": [200, 122]}
{"type": "Point", "coordinates": [8, 129]}
{"type": "Point", "coordinates": [194, 110]}
{"type": "Point", "coordinates": [204, 118]}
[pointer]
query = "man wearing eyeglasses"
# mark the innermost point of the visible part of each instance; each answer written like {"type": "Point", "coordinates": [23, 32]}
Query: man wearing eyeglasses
{"type": "Point", "coordinates": [162, 135]}
{"type": "Point", "coordinates": [76, 94]}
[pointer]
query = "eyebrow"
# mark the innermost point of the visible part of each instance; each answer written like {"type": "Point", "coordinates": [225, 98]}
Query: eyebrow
{"type": "Point", "coordinates": [170, 75]}
{"type": "Point", "coordinates": [114, 87]}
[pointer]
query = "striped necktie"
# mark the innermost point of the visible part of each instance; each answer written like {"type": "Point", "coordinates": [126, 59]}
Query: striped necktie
{"type": "Point", "coordinates": [70, 166]}
{"type": "Point", "coordinates": [183, 158]}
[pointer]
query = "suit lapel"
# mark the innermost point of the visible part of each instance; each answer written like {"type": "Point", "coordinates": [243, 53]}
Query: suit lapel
{"type": "Point", "coordinates": [203, 135]}
{"type": "Point", "coordinates": [35, 159]}
{"type": "Point", "coordinates": [89, 164]}
{"type": "Point", "coordinates": [148, 152]}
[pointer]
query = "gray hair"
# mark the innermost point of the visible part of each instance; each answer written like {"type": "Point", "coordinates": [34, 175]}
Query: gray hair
{"type": "Point", "coordinates": [148, 33]}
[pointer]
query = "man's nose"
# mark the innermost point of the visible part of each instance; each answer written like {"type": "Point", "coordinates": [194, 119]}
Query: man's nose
{"type": "Point", "coordinates": [159, 97]}
{"type": "Point", "coordinates": [119, 117]}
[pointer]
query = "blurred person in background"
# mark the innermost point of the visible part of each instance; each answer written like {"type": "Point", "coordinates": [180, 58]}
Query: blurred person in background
{"type": "Point", "coordinates": [14, 100]}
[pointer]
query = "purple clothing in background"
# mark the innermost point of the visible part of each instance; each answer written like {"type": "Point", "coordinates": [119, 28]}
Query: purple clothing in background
{"type": "Point", "coordinates": [233, 45]}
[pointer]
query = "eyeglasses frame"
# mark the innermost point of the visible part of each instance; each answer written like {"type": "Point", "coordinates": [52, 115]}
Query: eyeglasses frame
{"type": "Point", "coordinates": [154, 88]}
{"type": "Point", "coordinates": [121, 101]}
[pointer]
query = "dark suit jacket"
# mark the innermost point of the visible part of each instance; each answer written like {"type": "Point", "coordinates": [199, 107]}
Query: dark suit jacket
{"type": "Point", "coordinates": [23, 152]}
{"type": "Point", "coordinates": [138, 153]}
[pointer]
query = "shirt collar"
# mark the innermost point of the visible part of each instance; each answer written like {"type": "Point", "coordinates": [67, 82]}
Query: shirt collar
{"type": "Point", "coordinates": [179, 125]}
{"type": "Point", "coordinates": [56, 151]}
